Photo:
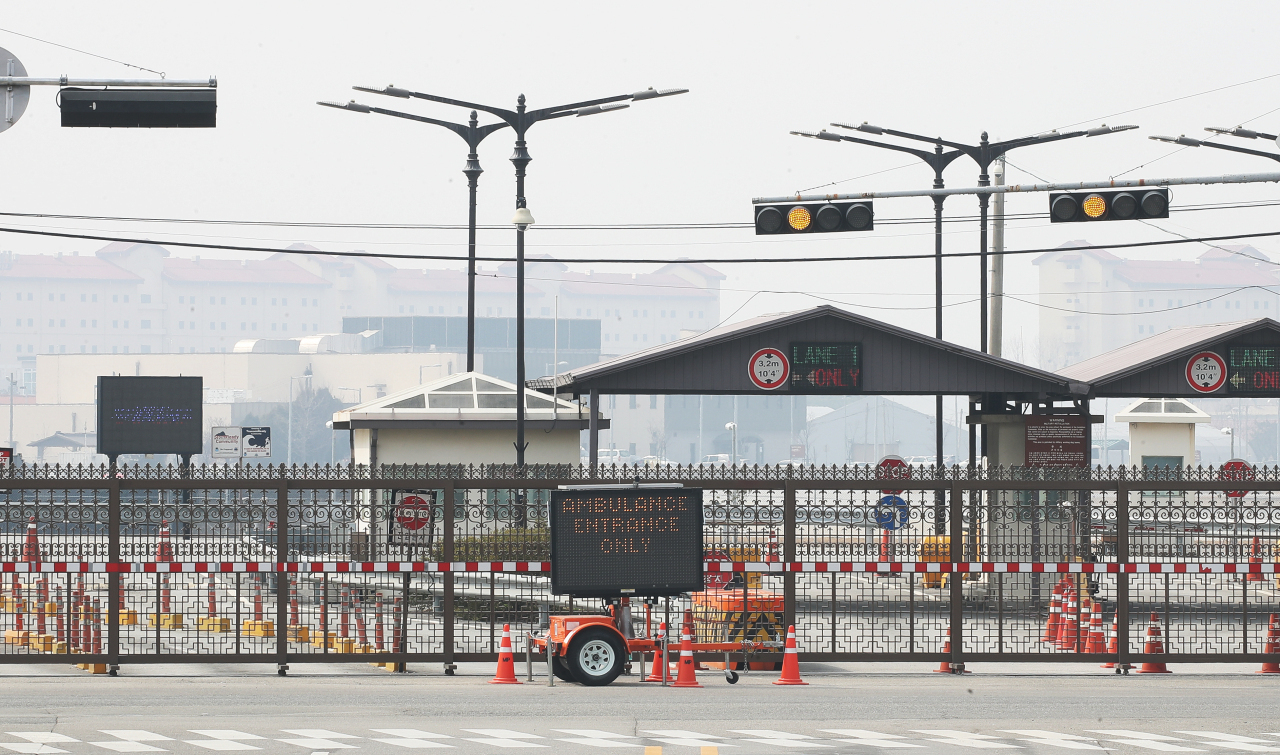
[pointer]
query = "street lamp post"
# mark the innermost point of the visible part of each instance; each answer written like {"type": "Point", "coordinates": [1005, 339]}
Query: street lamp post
{"type": "Point", "coordinates": [1239, 131]}
{"type": "Point", "coordinates": [473, 133]}
{"type": "Point", "coordinates": [732, 427]}
{"type": "Point", "coordinates": [521, 120]}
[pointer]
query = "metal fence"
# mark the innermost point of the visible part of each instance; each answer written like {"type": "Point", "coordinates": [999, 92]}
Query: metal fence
{"type": "Point", "coordinates": [289, 565]}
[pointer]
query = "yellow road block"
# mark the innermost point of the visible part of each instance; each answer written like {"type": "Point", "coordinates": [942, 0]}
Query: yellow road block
{"type": "Point", "coordinates": [213, 624]}
{"type": "Point", "coordinates": [166, 620]}
{"type": "Point", "coordinates": [258, 628]}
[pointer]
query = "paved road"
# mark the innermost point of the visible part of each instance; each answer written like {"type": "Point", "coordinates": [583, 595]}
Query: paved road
{"type": "Point", "coordinates": [197, 710]}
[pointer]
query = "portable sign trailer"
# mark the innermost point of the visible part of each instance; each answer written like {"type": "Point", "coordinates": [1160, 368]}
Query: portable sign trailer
{"type": "Point", "coordinates": [618, 542]}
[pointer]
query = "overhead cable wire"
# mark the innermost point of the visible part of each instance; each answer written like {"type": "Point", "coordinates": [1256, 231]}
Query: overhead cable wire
{"type": "Point", "coordinates": [84, 52]}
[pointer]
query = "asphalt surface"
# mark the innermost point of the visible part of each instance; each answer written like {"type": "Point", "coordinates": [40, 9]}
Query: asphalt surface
{"type": "Point", "coordinates": [864, 708]}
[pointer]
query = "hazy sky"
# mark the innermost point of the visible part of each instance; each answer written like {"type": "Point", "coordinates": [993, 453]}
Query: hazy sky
{"type": "Point", "coordinates": [756, 71]}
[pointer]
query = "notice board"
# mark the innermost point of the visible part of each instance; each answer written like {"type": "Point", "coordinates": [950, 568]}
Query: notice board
{"type": "Point", "coordinates": [607, 543]}
{"type": "Point", "coordinates": [1057, 441]}
{"type": "Point", "coordinates": [150, 415]}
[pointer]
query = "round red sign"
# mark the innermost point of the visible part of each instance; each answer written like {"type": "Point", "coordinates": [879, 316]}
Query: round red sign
{"type": "Point", "coordinates": [769, 369]}
{"type": "Point", "coordinates": [1237, 469]}
{"type": "Point", "coordinates": [893, 468]}
{"type": "Point", "coordinates": [1206, 372]}
{"type": "Point", "coordinates": [413, 513]}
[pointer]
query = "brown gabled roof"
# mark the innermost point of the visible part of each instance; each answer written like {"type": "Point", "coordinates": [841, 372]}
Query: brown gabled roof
{"type": "Point", "coordinates": [65, 267]}
{"type": "Point", "coordinates": [275, 270]}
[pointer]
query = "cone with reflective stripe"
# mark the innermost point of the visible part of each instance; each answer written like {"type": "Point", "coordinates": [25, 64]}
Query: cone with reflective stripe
{"type": "Point", "coordinates": [659, 673]}
{"type": "Point", "coordinates": [1255, 557]}
{"type": "Point", "coordinates": [1055, 615]}
{"type": "Point", "coordinates": [1069, 627]}
{"type": "Point", "coordinates": [164, 547]}
{"type": "Point", "coordinates": [506, 660]}
{"type": "Point", "coordinates": [1272, 646]}
{"type": "Point", "coordinates": [1097, 636]}
{"type": "Point", "coordinates": [687, 676]}
{"type": "Point", "coordinates": [1155, 644]}
{"type": "Point", "coordinates": [31, 546]}
{"type": "Point", "coordinates": [790, 661]}
{"type": "Point", "coordinates": [1113, 647]}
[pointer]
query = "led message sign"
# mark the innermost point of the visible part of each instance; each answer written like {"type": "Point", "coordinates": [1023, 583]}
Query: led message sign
{"type": "Point", "coordinates": [826, 367]}
{"type": "Point", "coordinates": [1253, 370]}
{"type": "Point", "coordinates": [150, 415]}
{"type": "Point", "coordinates": [636, 541]}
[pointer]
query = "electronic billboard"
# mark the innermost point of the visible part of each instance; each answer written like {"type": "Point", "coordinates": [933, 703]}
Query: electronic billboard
{"type": "Point", "coordinates": [150, 415]}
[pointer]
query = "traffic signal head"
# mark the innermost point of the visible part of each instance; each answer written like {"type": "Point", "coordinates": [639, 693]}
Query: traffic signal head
{"type": "Point", "coordinates": [826, 217]}
{"type": "Point", "coordinates": [1134, 204]}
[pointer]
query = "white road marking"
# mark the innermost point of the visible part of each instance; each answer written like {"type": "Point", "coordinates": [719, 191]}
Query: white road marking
{"type": "Point", "coordinates": [1131, 734]}
{"type": "Point", "coordinates": [599, 742]}
{"type": "Point", "coordinates": [966, 739]}
{"type": "Point", "coordinates": [312, 743]}
{"type": "Point", "coordinates": [221, 745]}
{"type": "Point", "coordinates": [594, 734]}
{"type": "Point", "coordinates": [503, 734]}
{"type": "Point", "coordinates": [1233, 741]}
{"type": "Point", "coordinates": [44, 737]}
{"type": "Point", "coordinates": [319, 734]}
{"type": "Point", "coordinates": [231, 734]}
{"type": "Point", "coordinates": [32, 748]}
{"type": "Point", "coordinates": [500, 742]}
{"type": "Point", "coordinates": [770, 734]}
{"type": "Point", "coordinates": [1227, 737]}
{"type": "Point", "coordinates": [870, 738]}
{"type": "Point", "coordinates": [136, 735]}
{"type": "Point", "coordinates": [690, 742]}
{"type": "Point", "coordinates": [411, 743]}
{"type": "Point", "coordinates": [681, 733]}
{"type": "Point", "coordinates": [412, 733]}
{"type": "Point", "coordinates": [128, 746]}
{"type": "Point", "coordinates": [1056, 739]}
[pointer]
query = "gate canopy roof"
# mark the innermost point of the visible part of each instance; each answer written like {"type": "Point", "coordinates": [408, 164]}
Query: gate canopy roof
{"type": "Point", "coordinates": [829, 351]}
{"type": "Point", "coordinates": [1238, 359]}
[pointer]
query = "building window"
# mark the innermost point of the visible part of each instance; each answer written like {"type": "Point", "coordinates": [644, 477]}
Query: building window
{"type": "Point", "coordinates": [243, 301]}
{"type": "Point", "coordinates": [315, 302]}
{"type": "Point", "coordinates": [94, 298]}
{"type": "Point", "coordinates": [224, 300]}
{"type": "Point", "coordinates": [653, 401]}
{"type": "Point", "coordinates": [145, 324]}
{"type": "Point", "coordinates": [95, 323]}
{"type": "Point", "coordinates": [146, 298]}
{"type": "Point", "coordinates": [304, 302]}
{"type": "Point", "coordinates": [212, 300]}
{"type": "Point", "coordinates": [273, 302]}
{"type": "Point", "coordinates": [401, 309]}
{"type": "Point", "coordinates": [631, 403]}
{"type": "Point", "coordinates": [284, 326]}
{"type": "Point", "coordinates": [646, 313]}
{"type": "Point", "coordinates": [273, 326]}
{"type": "Point", "coordinates": [146, 349]}
{"type": "Point", "coordinates": [635, 337]}
{"type": "Point", "coordinates": [93, 349]}
{"type": "Point", "coordinates": [224, 326]}
{"type": "Point", "coordinates": [182, 325]}
{"type": "Point", "coordinates": [115, 298]}
{"type": "Point", "coordinates": [254, 326]}
{"type": "Point", "coordinates": [314, 327]}
{"type": "Point", "coordinates": [646, 338]}
{"type": "Point", "coordinates": [115, 323]}
{"type": "Point", "coordinates": [546, 311]}
{"type": "Point", "coordinates": [213, 326]}
{"type": "Point", "coordinates": [126, 301]}
{"type": "Point", "coordinates": [182, 300]}
{"type": "Point", "coordinates": [254, 301]}
{"type": "Point", "coordinates": [82, 323]}
{"type": "Point", "coordinates": [244, 326]}
{"type": "Point", "coordinates": [284, 302]}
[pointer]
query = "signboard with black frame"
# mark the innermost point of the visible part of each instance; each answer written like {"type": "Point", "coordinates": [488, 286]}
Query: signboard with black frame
{"type": "Point", "coordinates": [150, 415]}
{"type": "Point", "coordinates": [824, 367]}
{"type": "Point", "coordinates": [611, 541]}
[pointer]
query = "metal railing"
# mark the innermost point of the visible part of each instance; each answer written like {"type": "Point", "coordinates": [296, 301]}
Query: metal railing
{"type": "Point", "coordinates": [304, 564]}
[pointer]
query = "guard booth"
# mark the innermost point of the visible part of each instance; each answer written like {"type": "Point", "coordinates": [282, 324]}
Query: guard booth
{"type": "Point", "coordinates": [826, 350]}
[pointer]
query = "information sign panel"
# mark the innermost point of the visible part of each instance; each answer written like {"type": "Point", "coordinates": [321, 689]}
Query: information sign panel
{"type": "Point", "coordinates": [1057, 441]}
{"type": "Point", "coordinates": [1206, 372]}
{"type": "Point", "coordinates": [610, 542]}
{"type": "Point", "coordinates": [6, 458]}
{"type": "Point", "coordinates": [826, 367]}
{"type": "Point", "coordinates": [224, 443]}
{"type": "Point", "coordinates": [255, 442]}
{"type": "Point", "coordinates": [1253, 370]}
{"type": "Point", "coordinates": [150, 415]}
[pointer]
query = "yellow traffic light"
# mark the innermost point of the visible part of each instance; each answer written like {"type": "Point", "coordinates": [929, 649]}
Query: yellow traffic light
{"type": "Point", "coordinates": [1095, 206]}
{"type": "Point", "coordinates": [799, 218]}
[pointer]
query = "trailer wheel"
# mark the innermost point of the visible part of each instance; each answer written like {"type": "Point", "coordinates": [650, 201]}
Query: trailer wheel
{"type": "Point", "coordinates": [595, 657]}
{"type": "Point", "coordinates": [560, 666]}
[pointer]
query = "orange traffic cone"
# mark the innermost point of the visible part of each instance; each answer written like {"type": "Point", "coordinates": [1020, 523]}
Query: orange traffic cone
{"type": "Point", "coordinates": [665, 674]}
{"type": "Point", "coordinates": [945, 667]}
{"type": "Point", "coordinates": [1097, 636]}
{"type": "Point", "coordinates": [1154, 645]}
{"type": "Point", "coordinates": [1069, 627]}
{"type": "Point", "coordinates": [164, 548]}
{"type": "Point", "coordinates": [31, 546]}
{"type": "Point", "coordinates": [1113, 647]}
{"type": "Point", "coordinates": [506, 662]}
{"type": "Point", "coordinates": [1255, 557]}
{"type": "Point", "coordinates": [687, 676]}
{"type": "Point", "coordinates": [790, 661]}
{"type": "Point", "coordinates": [1055, 615]}
{"type": "Point", "coordinates": [1272, 646]}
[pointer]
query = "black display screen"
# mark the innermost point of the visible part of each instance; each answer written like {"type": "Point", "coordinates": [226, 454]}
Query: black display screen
{"type": "Point", "coordinates": [638, 541]}
{"type": "Point", "coordinates": [150, 415]}
{"type": "Point", "coordinates": [1253, 370]}
{"type": "Point", "coordinates": [826, 367]}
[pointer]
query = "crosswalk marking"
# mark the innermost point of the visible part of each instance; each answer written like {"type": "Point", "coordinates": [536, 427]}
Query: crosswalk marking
{"type": "Point", "coordinates": [221, 745]}
{"type": "Point", "coordinates": [597, 738]}
{"type": "Point", "coordinates": [503, 734]}
{"type": "Point", "coordinates": [319, 734]}
{"type": "Point", "coordinates": [869, 738]}
{"type": "Point", "coordinates": [1056, 739]}
{"type": "Point", "coordinates": [412, 733]}
{"type": "Point", "coordinates": [312, 743]}
{"type": "Point", "coordinates": [1233, 741]}
{"type": "Point", "coordinates": [778, 738]}
{"type": "Point", "coordinates": [1131, 734]}
{"type": "Point", "coordinates": [127, 746]}
{"type": "Point", "coordinates": [43, 737]}
{"type": "Point", "coordinates": [32, 748]}
{"type": "Point", "coordinates": [411, 743]}
{"type": "Point", "coordinates": [686, 738]}
{"type": "Point", "coordinates": [965, 739]}
{"type": "Point", "coordinates": [500, 742]}
{"type": "Point", "coordinates": [230, 734]}
{"type": "Point", "coordinates": [136, 735]}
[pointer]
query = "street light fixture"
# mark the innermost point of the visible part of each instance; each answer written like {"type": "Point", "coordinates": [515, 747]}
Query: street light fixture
{"type": "Point", "coordinates": [473, 133]}
{"type": "Point", "coordinates": [732, 427]}
{"type": "Point", "coordinates": [1244, 133]}
{"type": "Point", "coordinates": [521, 120]}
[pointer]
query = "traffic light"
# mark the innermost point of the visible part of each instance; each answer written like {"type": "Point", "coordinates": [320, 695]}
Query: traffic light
{"type": "Point", "coordinates": [825, 217]}
{"type": "Point", "coordinates": [139, 108]}
{"type": "Point", "coordinates": [1083, 207]}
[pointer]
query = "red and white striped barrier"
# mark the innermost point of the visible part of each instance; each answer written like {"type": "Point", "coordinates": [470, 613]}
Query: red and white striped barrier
{"type": "Point", "coordinates": [542, 567]}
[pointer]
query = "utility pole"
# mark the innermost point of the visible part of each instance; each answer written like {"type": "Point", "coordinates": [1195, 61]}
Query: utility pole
{"type": "Point", "coordinates": [997, 265]}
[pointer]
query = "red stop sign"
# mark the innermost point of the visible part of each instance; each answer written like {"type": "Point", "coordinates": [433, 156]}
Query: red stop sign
{"type": "Point", "coordinates": [1237, 469]}
{"type": "Point", "coordinates": [413, 513]}
{"type": "Point", "coordinates": [893, 468]}
{"type": "Point", "coordinates": [718, 579]}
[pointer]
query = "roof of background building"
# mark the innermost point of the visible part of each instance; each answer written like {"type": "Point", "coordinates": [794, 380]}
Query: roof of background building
{"type": "Point", "coordinates": [1161, 347]}
{"type": "Point", "coordinates": [62, 267]}
{"type": "Point", "coordinates": [254, 272]}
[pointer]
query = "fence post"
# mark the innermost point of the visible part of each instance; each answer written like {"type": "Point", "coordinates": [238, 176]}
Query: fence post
{"type": "Point", "coordinates": [449, 504]}
{"type": "Point", "coordinates": [114, 584]}
{"type": "Point", "coordinates": [788, 553]}
{"type": "Point", "coordinates": [282, 577]}
{"type": "Point", "coordinates": [1122, 579]}
{"type": "Point", "coordinates": [956, 543]}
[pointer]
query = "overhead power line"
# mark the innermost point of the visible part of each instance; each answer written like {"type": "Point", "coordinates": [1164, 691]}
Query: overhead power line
{"type": "Point", "coordinates": [634, 260]}
{"type": "Point", "coordinates": [84, 52]}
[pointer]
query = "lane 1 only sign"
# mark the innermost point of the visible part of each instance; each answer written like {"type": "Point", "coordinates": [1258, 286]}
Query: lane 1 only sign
{"type": "Point", "coordinates": [1206, 372]}
{"type": "Point", "coordinates": [769, 369]}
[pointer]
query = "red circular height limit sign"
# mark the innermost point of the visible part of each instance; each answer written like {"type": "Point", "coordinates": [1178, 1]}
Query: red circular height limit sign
{"type": "Point", "coordinates": [769, 369]}
{"type": "Point", "coordinates": [1206, 372]}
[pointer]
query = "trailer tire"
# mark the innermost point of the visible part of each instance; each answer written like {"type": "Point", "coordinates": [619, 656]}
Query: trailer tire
{"type": "Point", "coordinates": [595, 657]}
{"type": "Point", "coordinates": [561, 668]}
